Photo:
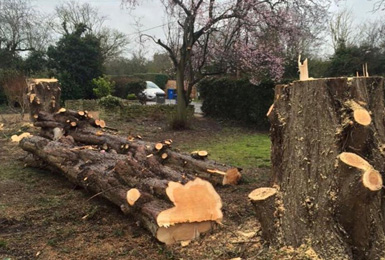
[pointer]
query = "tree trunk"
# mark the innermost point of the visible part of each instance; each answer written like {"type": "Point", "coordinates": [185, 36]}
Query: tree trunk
{"type": "Point", "coordinates": [181, 116]}
{"type": "Point", "coordinates": [328, 149]}
{"type": "Point", "coordinates": [43, 95]}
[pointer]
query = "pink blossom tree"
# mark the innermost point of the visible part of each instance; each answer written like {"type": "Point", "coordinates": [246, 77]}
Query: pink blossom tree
{"type": "Point", "coordinates": [230, 36]}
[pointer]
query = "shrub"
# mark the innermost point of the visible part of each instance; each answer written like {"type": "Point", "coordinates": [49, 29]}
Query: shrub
{"type": "Point", "coordinates": [127, 85]}
{"type": "Point", "coordinates": [3, 98]}
{"type": "Point", "coordinates": [136, 87]}
{"type": "Point", "coordinates": [237, 99]}
{"type": "Point", "coordinates": [131, 97]}
{"type": "Point", "coordinates": [103, 87]}
{"type": "Point", "coordinates": [110, 102]}
{"type": "Point", "coordinates": [154, 112]}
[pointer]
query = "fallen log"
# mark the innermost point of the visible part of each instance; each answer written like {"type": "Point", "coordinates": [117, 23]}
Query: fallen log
{"type": "Point", "coordinates": [87, 132]}
{"type": "Point", "coordinates": [167, 204]}
{"type": "Point", "coordinates": [155, 184]}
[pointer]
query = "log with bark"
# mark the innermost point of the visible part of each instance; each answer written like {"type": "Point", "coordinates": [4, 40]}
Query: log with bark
{"type": "Point", "coordinates": [169, 205]}
{"type": "Point", "coordinates": [168, 192]}
{"type": "Point", "coordinates": [85, 130]}
{"type": "Point", "coordinates": [328, 153]}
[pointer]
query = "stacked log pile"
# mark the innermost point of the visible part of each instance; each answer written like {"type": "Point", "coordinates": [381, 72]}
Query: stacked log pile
{"type": "Point", "coordinates": [170, 193]}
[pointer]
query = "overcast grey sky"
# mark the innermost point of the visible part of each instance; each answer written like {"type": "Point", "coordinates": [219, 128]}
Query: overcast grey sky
{"type": "Point", "coordinates": [150, 14]}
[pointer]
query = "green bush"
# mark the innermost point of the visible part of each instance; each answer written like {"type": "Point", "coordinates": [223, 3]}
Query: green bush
{"type": "Point", "coordinates": [154, 112]}
{"type": "Point", "coordinates": [135, 87]}
{"type": "Point", "coordinates": [131, 97]}
{"type": "Point", "coordinates": [3, 98]}
{"type": "Point", "coordinates": [237, 99]}
{"type": "Point", "coordinates": [110, 102]}
{"type": "Point", "coordinates": [126, 85]}
{"type": "Point", "coordinates": [103, 87]}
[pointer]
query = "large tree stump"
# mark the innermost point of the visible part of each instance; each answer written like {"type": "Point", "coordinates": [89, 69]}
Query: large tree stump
{"type": "Point", "coordinates": [43, 95]}
{"type": "Point", "coordinates": [328, 153]}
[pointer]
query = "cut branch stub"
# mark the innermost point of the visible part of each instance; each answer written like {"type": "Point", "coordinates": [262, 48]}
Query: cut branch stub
{"type": "Point", "coordinates": [371, 178]}
{"type": "Point", "coordinates": [132, 196]}
{"type": "Point", "coordinates": [203, 153]}
{"type": "Point", "coordinates": [360, 114]}
{"type": "Point", "coordinates": [100, 123]}
{"type": "Point", "coordinates": [61, 110]}
{"type": "Point", "coordinates": [354, 160]}
{"type": "Point", "coordinates": [262, 193]}
{"type": "Point", "coordinates": [231, 176]}
{"type": "Point", "coordinates": [158, 146]}
{"type": "Point", "coordinates": [199, 154]}
{"type": "Point", "coordinates": [196, 201]}
{"type": "Point", "coordinates": [263, 200]}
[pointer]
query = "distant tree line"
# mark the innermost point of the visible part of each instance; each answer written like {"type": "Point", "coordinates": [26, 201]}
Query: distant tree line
{"type": "Point", "coordinates": [72, 44]}
{"type": "Point", "coordinates": [263, 43]}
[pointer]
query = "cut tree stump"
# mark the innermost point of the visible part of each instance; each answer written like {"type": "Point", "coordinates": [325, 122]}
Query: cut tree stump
{"type": "Point", "coordinates": [170, 193]}
{"type": "Point", "coordinates": [328, 153]}
{"type": "Point", "coordinates": [43, 95]}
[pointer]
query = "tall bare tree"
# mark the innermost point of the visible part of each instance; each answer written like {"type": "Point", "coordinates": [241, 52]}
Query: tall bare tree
{"type": "Point", "coordinates": [197, 22]}
{"type": "Point", "coordinates": [341, 28]}
{"type": "Point", "coordinates": [71, 13]}
{"type": "Point", "coordinates": [22, 28]}
{"type": "Point", "coordinates": [379, 5]}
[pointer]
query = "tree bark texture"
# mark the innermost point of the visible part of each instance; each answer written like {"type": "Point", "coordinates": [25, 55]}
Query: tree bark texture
{"type": "Point", "coordinates": [43, 95]}
{"type": "Point", "coordinates": [327, 156]}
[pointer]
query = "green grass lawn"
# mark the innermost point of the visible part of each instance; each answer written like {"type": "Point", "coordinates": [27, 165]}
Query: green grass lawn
{"type": "Point", "coordinates": [235, 147]}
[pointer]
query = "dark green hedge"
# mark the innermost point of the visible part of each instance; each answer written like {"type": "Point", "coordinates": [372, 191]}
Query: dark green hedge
{"type": "Point", "coordinates": [237, 100]}
{"type": "Point", "coordinates": [125, 85]}
{"type": "Point", "coordinates": [153, 112]}
{"type": "Point", "coordinates": [3, 98]}
{"type": "Point", "coordinates": [157, 78]}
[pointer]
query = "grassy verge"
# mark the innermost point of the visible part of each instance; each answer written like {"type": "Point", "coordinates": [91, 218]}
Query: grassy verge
{"type": "Point", "coordinates": [235, 147]}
